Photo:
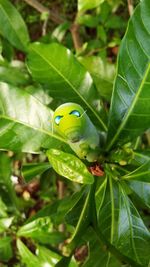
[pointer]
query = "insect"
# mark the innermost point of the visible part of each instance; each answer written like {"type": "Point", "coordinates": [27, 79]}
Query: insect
{"type": "Point", "coordinates": [71, 122]}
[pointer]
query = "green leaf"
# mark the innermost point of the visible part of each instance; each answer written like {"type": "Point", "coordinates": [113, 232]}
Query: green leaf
{"type": "Point", "coordinates": [5, 180]}
{"type": "Point", "coordinates": [98, 255]}
{"type": "Point", "coordinates": [31, 229]}
{"type": "Point", "coordinates": [69, 166]}
{"type": "Point", "coordinates": [141, 157]}
{"type": "Point", "coordinates": [43, 257]}
{"type": "Point", "coordinates": [122, 225]}
{"type": "Point", "coordinates": [141, 173]}
{"type": "Point", "coordinates": [13, 26]}
{"type": "Point", "coordinates": [142, 190]}
{"type": "Point", "coordinates": [6, 251]}
{"type": "Point", "coordinates": [3, 209]}
{"type": "Point", "coordinates": [25, 123]}
{"type": "Point", "coordinates": [133, 236]}
{"type": "Point", "coordinates": [60, 31]}
{"type": "Point", "coordinates": [66, 79]}
{"type": "Point", "coordinates": [30, 170]}
{"type": "Point", "coordinates": [27, 256]}
{"type": "Point", "coordinates": [13, 75]}
{"type": "Point", "coordinates": [84, 5]}
{"type": "Point", "coordinates": [42, 231]}
{"type": "Point", "coordinates": [103, 74]}
{"type": "Point", "coordinates": [5, 223]}
{"type": "Point", "coordinates": [130, 107]}
{"type": "Point", "coordinates": [48, 257]}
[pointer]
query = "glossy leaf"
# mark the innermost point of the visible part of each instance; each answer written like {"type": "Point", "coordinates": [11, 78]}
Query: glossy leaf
{"type": "Point", "coordinates": [43, 258]}
{"type": "Point", "coordinates": [122, 225]}
{"type": "Point", "coordinates": [31, 170]}
{"type": "Point", "coordinates": [141, 157]}
{"type": "Point", "coordinates": [6, 251]}
{"type": "Point", "coordinates": [98, 255]}
{"type": "Point", "coordinates": [66, 79]}
{"type": "Point", "coordinates": [31, 229]}
{"type": "Point", "coordinates": [84, 5]}
{"type": "Point", "coordinates": [25, 124]}
{"type": "Point", "coordinates": [47, 256]}
{"type": "Point", "coordinates": [69, 166]}
{"type": "Point", "coordinates": [5, 223]}
{"type": "Point", "coordinates": [130, 107]}
{"type": "Point", "coordinates": [142, 190]}
{"type": "Point", "coordinates": [42, 231]}
{"type": "Point", "coordinates": [27, 257]}
{"type": "Point", "coordinates": [13, 26]}
{"type": "Point", "coordinates": [103, 74]}
{"type": "Point", "coordinates": [142, 173]}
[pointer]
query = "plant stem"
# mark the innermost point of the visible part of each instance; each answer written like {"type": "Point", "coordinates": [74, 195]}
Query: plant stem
{"type": "Point", "coordinates": [61, 192]}
{"type": "Point", "coordinates": [75, 32]}
{"type": "Point", "coordinates": [42, 9]}
{"type": "Point", "coordinates": [130, 7]}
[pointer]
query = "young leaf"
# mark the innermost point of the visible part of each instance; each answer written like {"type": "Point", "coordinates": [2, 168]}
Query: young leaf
{"type": "Point", "coordinates": [69, 166]}
{"type": "Point", "coordinates": [66, 79]}
{"type": "Point", "coordinates": [25, 123]}
{"type": "Point", "coordinates": [84, 5]}
{"type": "Point", "coordinates": [31, 229]}
{"type": "Point", "coordinates": [130, 107]}
{"type": "Point", "coordinates": [13, 26]}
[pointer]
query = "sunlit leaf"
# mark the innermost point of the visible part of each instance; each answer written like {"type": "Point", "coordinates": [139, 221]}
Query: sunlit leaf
{"type": "Point", "coordinates": [43, 257]}
{"type": "Point", "coordinates": [25, 123]}
{"type": "Point", "coordinates": [69, 166]}
{"type": "Point", "coordinates": [84, 5]}
{"type": "Point", "coordinates": [64, 77]}
{"type": "Point", "coordinates": [27, 256]}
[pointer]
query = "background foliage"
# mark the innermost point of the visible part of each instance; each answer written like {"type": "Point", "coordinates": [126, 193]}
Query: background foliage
{"type": "Point", "coordinates": [59, 51]}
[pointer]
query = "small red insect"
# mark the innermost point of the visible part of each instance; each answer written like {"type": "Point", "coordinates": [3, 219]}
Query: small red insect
{"type": "Point", "coordinates": [96, 170]}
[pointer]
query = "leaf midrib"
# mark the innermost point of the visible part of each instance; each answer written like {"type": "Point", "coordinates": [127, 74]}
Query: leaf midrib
{"type": "Point", "coordinates": [73, 87]}
{"type": "Point", "coordinates": [129, 110]}
{"type": "Point", "coordinates": [130, 224]}
{"type": "Point", "coordinates": [33, 127]}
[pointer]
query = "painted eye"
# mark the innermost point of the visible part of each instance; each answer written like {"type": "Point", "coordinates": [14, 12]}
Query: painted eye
{"type": "Point", "coordinates": [57, 119]}
{"type": "Point", "coordinates": [75, 112]}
